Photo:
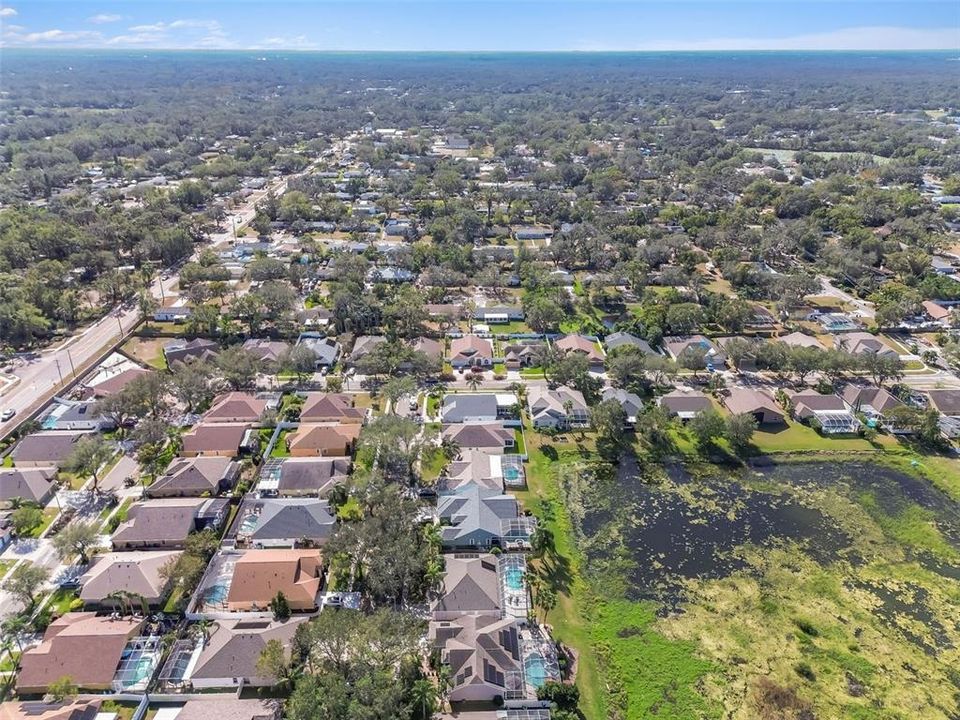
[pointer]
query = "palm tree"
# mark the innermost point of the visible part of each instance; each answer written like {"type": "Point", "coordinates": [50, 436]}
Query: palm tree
{"type": "Point", "coordinates": [424, 696]}
{"type": "Point", "coordinates": [474, 380]}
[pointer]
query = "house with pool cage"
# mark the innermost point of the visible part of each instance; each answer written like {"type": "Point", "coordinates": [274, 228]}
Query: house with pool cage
{"type": "Point", "coordinates": [98, 653]}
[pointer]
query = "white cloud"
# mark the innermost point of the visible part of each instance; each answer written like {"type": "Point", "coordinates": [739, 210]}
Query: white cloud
{"type": "Point", "coordinates": [854, 38]}
{"type": "Point", "coordinates": [286, 42]}
{"type": "Point", "coordinates": [7, 12]}
{"type": "Point", "coordinates": [61, 36]}
{"type": "Point", "coordinates": [156, 27]}
{"type": "Point", "coordinates": [104, 18]}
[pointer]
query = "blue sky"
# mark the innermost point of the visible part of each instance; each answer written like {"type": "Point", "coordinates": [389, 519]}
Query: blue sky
{"type": "Point", "coordinates": [470, 25]}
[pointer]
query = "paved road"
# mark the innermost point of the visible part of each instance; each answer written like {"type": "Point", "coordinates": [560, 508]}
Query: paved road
{"type": "Point", "coordinates": [862, 308]}
{"type": "Point", "coordinates": [41, 377]}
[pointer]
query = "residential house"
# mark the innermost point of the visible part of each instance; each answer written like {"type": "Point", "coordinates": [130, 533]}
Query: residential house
{"type": "Point", "coordinates": [76, 415]}
{"type": "Point", "coordinates": [560, 408]}
{"type": "Point", "coordinates": [521, 354]}
{"type": "Point", "coordinates": [79, 645]}
{"type": "Point", "coordinates": [472, 466]}
{"type": "Point", "coordinates": [175, 314]}
{"type": "Point", "coordinates": [107, 383]}
{"type": "Point", "coordinates": [218, 439]}
{"type": "Point", "coordinates": [482, 653]}
{"type": "Point", "coordinates": [165, 523]}
{"type": "Point", "coordinates": [471, 584]}
{"type": "Point", "coordinates": [259, 575]}
{"type": "Point", "coordinates": [863, 343]}
{"type": "Point", "coordinates": [135, 576]}
{"type": "Point", "coordinates": [759, 403]}
{"type": "Point", "coordinates": [227, 707]}
{"type": "Point", "coordinates": [40, 710]}
{"type": "Point", "coordinates": [685, 404]}
{"type": "Point", "coordinates": [48, 448]}
{"type": "Point", "coordinates": [326, 439]}
{"type": "Point", "coordinates": [625, 339]}
{"type": "Point", "coordinates": [799, 339]}
{"type": "Point", "coordinates": [326, 350]}
{"type": "Point", "coordinates": [433, 349]}
{"type": "Point", "coordinates": [193, 477]}
{"type": "Point", "coordinates": [229, 656]}
{"type": "Point", "coordinates": [473, 518]}
{"type": "Point", "coordinates": [489, 436]}
{"type": "Point", "coordinates": [284, 522]}
{"type": "Point", "coordinates": [363, 345]}
{"type": "Point", "coordinates": [303, 476]}
{"type": "Point", "coordinates": [187, 351]}
{"type": "Point", "coordinates": [235, 407]}
{"type": "Point", "coordinates": [830, 412]}
{"type": "Point", "coordinates": [533, 233]}
{"type": "Point", "coordinates": [498, 314]}
{"type": "Point", "coordinates": [317, 316]}
{"type": "Point", "coordinates": [872, 401]}
{"type": "Point", "coordinates": [712, 355]}
{"type": "Point", "coordinates": [583, 346]}
{"type": "Point", "coordinates": [937, 313]}
{"type": "Point", "coordinates": [267, 351]}
{"type": "Point", "coordinates": [459, 408]}
{"type": "Point", "coordinates": [471, 351]}
{"type": "Point", "coordinates": [36, 485]}
{"type": "Point", "coordinates": [946, 402]}
{"type": "Point", "coordinates": [630, 402]}
{"type": "Point", "coordinates": [330, 408]}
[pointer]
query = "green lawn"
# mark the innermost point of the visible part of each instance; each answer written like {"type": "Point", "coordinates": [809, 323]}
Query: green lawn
{"type": "Point", "coordinates": [796, 437]}
{"type": "Point", "coordinates": [532, 373]}
{"type": "Point", "coordinates": [280, 448]}
{"type": "Point", "coordinates": [60, 601]}
{"type": "Point", "coordinates": [432, 464]}
{"type": "Point", "coordinates": [8, 460]}
{"type": "Point", "coordinates": [568, 618]}
{"type": "Point", "coordinates": [513, 327]}
{"type": "Point", "coordinates": [433, 405]}
{"type": "Point", "coordinates": [49, 515]}
{"type": "Point", "coordinates": [519, 447]}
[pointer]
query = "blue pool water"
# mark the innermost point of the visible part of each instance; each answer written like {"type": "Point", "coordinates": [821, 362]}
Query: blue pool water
{"type": "Point", "coordinates": [511, 473]}
{"type": "Point", "coordinates": [514, 579]}
{"type": "Point", "coordinates": [216, 594]}
{"type": "Point", "coordinates": [143, 670]}
{"type": "Point", "coordinates": [249, 523]}
{"type": "Point", "coordinates": [535, 670]}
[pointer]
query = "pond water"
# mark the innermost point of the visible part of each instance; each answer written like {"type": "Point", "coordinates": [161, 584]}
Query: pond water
{"type": "Point", "coordinates": [693, 528]}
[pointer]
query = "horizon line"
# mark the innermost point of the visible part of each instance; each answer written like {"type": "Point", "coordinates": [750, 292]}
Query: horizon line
{"type": "Point", "coordinates": [571, 51]}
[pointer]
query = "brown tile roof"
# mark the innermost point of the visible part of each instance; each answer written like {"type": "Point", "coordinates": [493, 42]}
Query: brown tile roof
{"type": "Point", "coordinates": [118, 382]}
{"type": "Point", "coordinates": [234, 648]}
{"type": "Point", "coordinates": [39, 710]}
{"type": "Point", "coordinates": [260, 574]}
{"type": "Point", "coordinates": [31, 484]}
{"type": "Point", "coordinates": [331, 407]}
{"type": "Point", "coordinates": [134, 572]}
{"type": "Point", "coordinates": [470, 346]}
{"type": "Point", "coordinates": [480, 435]}
{"type": "Point", "coordinates": [470, 584]}
{"type": "Point", "coordinates": [80, 645]}
{"type": "Point", "coordinates": [158, 522]}
{"type": "Point", "coordinates": [194, 476]}
{"type": "Point", "coordinates": [326, 439]}
{"type": "Point", "coordinates": [235, 407]}
{"type": "Point", "coordinates": [214, 438]}
{"type": "Point", "coordinates": [229, 708]}
{"type": "Point", "coordinates": [580, 344]}
{"type": "Point", "coordinates": [748, 400]}
{"type": "Point", "coordinates": [50, 447]}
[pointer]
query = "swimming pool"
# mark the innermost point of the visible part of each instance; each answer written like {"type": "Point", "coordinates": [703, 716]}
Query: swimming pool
{"type": "Point", "coordinates": [142, 670]}
{"type": "Point", "coordinates": [216, 593]}
{"type": "Point", "coordinates": [535, 670]}
{"type": "Point", "coordinates": [511, 473]}
{"type": "Point", "coordinates": [249, 523]}
{"type": "Point", "coordinates": [513, 578]}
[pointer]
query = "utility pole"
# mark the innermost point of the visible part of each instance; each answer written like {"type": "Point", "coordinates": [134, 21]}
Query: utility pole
{"type": "Point", "coordinates": [73, 370]}
{"type": "Point", "coordinates": [57, 361]}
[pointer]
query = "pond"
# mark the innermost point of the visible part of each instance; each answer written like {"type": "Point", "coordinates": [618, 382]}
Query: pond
{"type": "Point", "coordinates": [696, 526]}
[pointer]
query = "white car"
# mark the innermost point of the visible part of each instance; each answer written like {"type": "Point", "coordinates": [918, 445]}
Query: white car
{"type": "Point", "coordinates": [8, 414]}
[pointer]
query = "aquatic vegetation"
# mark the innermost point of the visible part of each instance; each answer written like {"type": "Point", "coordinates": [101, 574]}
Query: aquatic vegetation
{"type": "Point", "coordinates": [793, 586]}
